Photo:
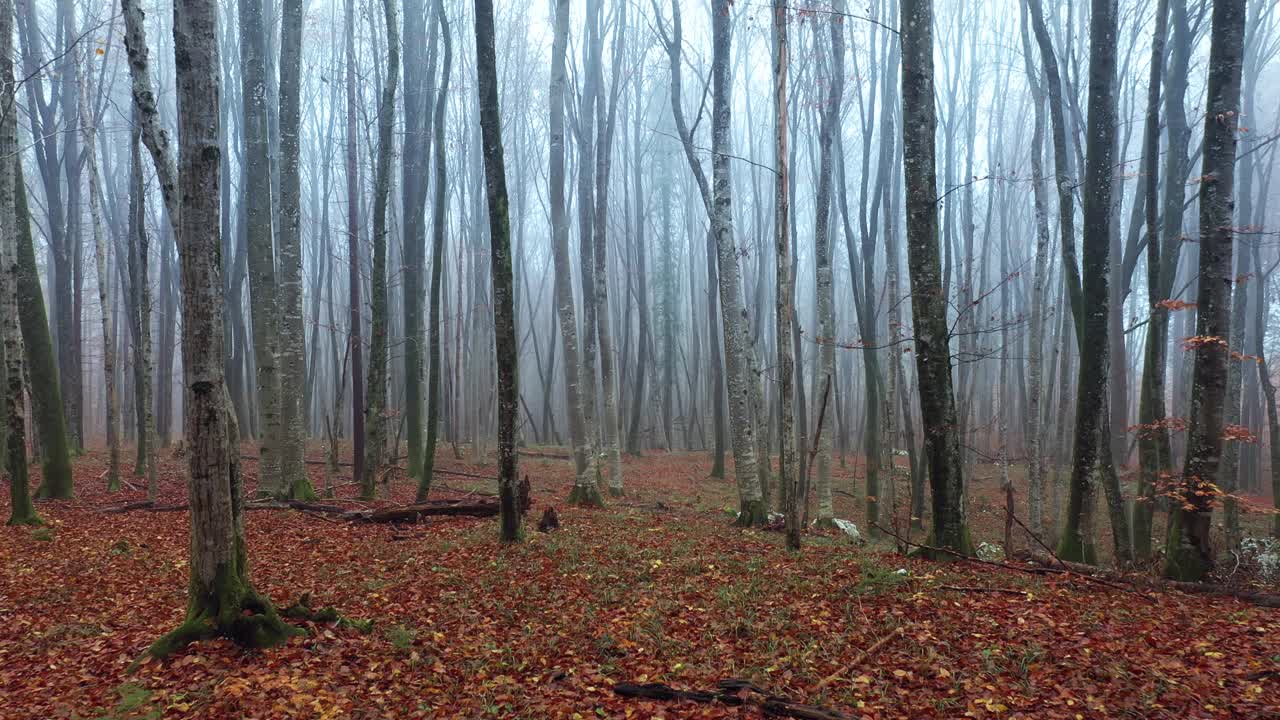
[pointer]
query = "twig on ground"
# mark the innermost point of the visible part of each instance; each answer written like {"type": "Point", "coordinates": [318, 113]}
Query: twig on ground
{"type": "Point", "coordinates": [862, 657]}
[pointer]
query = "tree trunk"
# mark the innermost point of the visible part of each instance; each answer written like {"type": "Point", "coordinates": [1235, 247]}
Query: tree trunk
{"type": "Point", "coordinates": [37, 346]}
{"type": "Point", "coordinates": [737, 339]}
{"type": "Point", "coordinates": [1077, 543]}
{"type": "Point", "coordinates": [440, 203]}
{"type": "Point", "coordinates": [504, 328]}
{"type": "Point", "coordinates": [375, 420]}
{"type": "Point", "coordinates": [604, 146]}
{"type": "Point", "coordinates": [221, 601]}
{"type": "Point", "coordinates": [829, 113]}
{"type": "Point", "coordinates": [1260, 314]}
{"type": "Point", "coordinates": [584, 488]}
{"type": "Point", "coordinates": [141, 306]}
{"type": "Point", "coordinates": [928, 307]}
{"type": "Point", "coordinates": [788, 478]}
{"type": "Point", "coordinates": [1188, 555]}
{"type": "Point", "coordinates": [354, 298]}
{"type": "Point", "coordinates": [1035, 342]}
{"type": "Point", "coordinates": [21, 509]}
{"type": "Point", "coordinates": [293, 474]}
{"type": "Point", "coordinates": [413, 186]}
{"type": "Point", "coordinates": [256, 197]}
{"type": "Point", "coordinates": [88, 131]}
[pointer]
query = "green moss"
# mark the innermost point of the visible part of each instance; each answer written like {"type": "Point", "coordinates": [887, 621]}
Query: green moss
{"type": "Point", "coordinates": [229, 607]}
{"type": "Point", "coordinates": [586, 496]}
{"type": "Point", "coordinates": [752, 513]}
{"type": "Point", "coordinates": [1074, 548]}
{"type": "Point", "coordinates": [1182, 560]}
{"type": "Point", "coordinates": [963, 546]}
{"type": "Point", "coordinates": [41, 364]}
{"type": "Point", "coordinates": [301, 489]}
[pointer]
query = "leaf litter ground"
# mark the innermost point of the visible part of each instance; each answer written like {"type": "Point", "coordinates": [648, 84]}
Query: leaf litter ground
{"type": "Point", "coordinates": [654, 588]}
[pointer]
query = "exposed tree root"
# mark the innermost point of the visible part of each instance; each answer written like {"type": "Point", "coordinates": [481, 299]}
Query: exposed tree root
{"type": "Point", "coordinates": [302, 610]}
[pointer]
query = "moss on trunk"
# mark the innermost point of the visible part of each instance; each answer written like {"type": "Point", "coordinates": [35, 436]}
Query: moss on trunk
{"type": "Point", "coordinates": [227, 607]}
{"type": "Point", "coordinates": [586, 496]}
{"type": "Point", "coordinates": [752, 513]}
{"type": "Point", "coordinates": [38, 349]}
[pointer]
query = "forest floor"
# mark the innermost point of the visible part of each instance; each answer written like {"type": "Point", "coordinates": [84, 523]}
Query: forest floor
{"type": "Point", "coordinates": [656, 587]}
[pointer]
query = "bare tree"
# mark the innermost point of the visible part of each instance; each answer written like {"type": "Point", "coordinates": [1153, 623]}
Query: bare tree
{"type": "Point", "coordinates": [928, 305]}
{"type": "Point", "coordinates": [375, 420]}
{"type": "Point", "coordinates": [294, 480]}
{"type": "Point", "coordinates": [21, 509]}
{"type": "Point", "coordinates": [221, 600]}
{"type": "Point", "coordinates": [504, 327]}
{"type": "Point", "coordinates": [1188, 555]}
{"type": "Point", "coordinates": [437, 262]}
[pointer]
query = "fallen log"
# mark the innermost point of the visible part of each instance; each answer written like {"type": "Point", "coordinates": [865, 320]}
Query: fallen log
{"type": "Point", "coordinates": [547, 455]}
{"type": "Point", "coordinates": [413, 513]}
{"type": "Point", "coordinates": [1261, 599]}
{"type": "Point", "coordinates": [728, 693]}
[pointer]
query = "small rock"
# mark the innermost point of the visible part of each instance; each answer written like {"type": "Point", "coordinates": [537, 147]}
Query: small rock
{"type": "Point", "coordinates": [850, 530]}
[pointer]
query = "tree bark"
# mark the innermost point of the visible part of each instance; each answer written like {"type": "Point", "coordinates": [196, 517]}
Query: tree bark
{"type": "Point", "coordinates": [437, 263]}
{"type": "Point", "coordinates": [504, 328]}
{"type": "Point", "coordinates": [1188, 555]}
{"type": "Point", "coordinates": [584, 489]}
{"type": "Point", "coordinates": [88, 131]}
{"type": "Point", "coordinates": [221, 601]}
{"type": "Point", "coordinates": [928, 306]}
{"type": "Point", "coordinates": [263, 292]}
{"type": "Point", "coordinates": [788, 477]}
{"type": "Point", "coordinates": [21, 509]}
{"type": "Point", "coordinates": [1077, 543]}
{"type": "Point", "coordinates": [294, 480]}
{"type": "Point", "coordinates": [355, 301]}
{"type": "Point", "coordinates": [375, 420]}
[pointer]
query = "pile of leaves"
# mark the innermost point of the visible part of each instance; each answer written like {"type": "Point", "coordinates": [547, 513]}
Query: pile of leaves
{"type": "Point", "coordinates": [655, 588]}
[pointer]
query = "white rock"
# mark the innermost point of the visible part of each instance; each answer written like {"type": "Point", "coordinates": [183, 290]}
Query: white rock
{"type": "Point", "coordinates": [850, 530]}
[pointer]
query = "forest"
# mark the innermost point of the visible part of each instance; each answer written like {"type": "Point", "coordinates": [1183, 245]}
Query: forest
{"type": "Point", "coordinates": [639, 358]}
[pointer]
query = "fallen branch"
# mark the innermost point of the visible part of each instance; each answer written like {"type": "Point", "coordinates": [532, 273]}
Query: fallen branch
{"type": "Point", "coordinates": [963, 588]}
{"type": "Point", "coordinates": [728, 693]}
{"type": "Point", "coordinates": [861, 658]}
{"type": "Point", "coordinates": [1260, 599]}
{"type": "Point", "coordinates": [547, 455]}
{"type": "Point", "coordinates": [1063, 570]}
{"type": "Point", "coordinates": [412, 513]}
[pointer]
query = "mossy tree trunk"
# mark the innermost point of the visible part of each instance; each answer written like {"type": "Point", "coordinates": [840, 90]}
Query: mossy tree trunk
{"type": "Point", "coordinates": [21, 510]}
{"type": "Point", "coordinates": [375, 408]}
{"type": "Point", "coordinates": [1188, 555]}
{"type": "Point", "coordinates": [38, 354]}
{"type": "Point", "coordinates": [221, 600]}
